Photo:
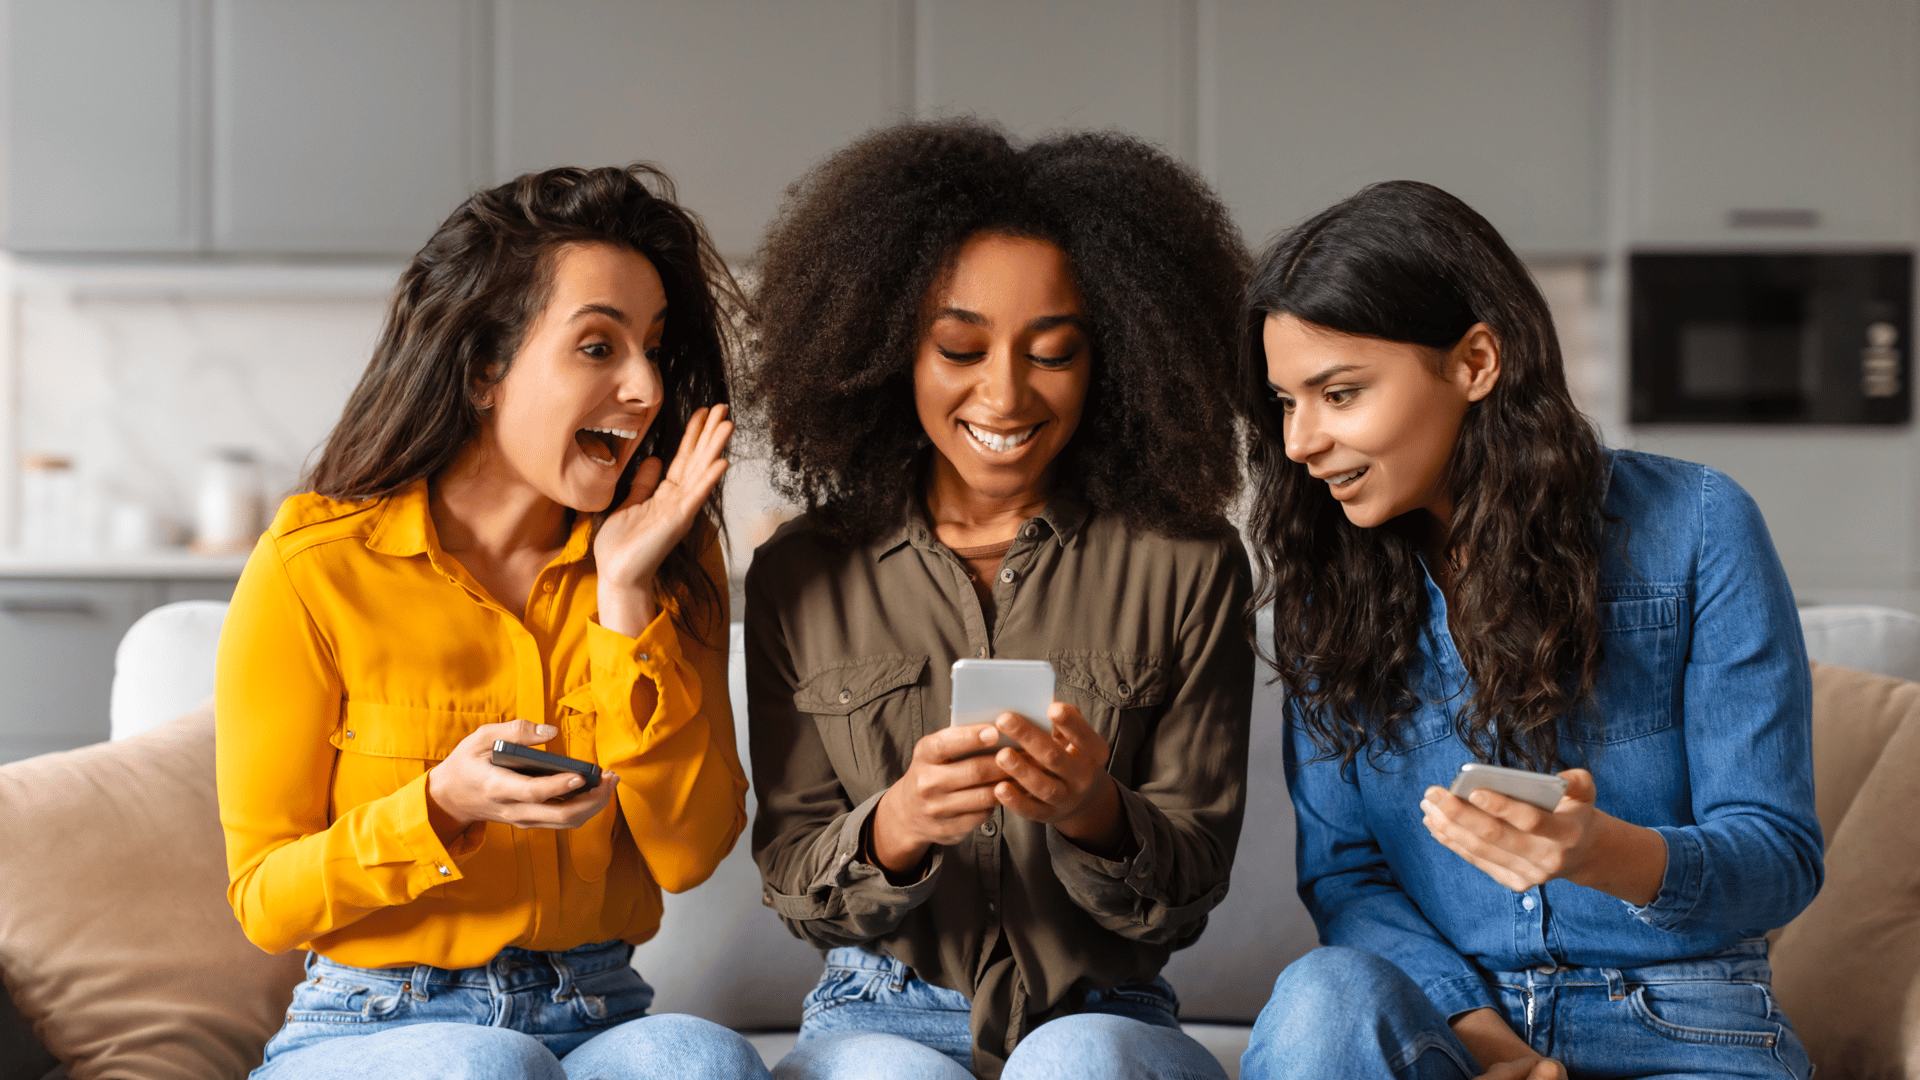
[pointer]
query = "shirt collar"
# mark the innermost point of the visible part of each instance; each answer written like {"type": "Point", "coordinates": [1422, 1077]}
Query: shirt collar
{"type": "Point", "coordinates": [405, 528]}
{"type": "Point", "coordinates": [1064, 515]}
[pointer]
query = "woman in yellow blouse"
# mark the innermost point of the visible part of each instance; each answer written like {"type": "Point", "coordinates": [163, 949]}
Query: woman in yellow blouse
{"type": "Point", "coordinates": [510, 535]}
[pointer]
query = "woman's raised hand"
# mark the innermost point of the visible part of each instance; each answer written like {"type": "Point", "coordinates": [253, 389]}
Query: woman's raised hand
{"type": "Point", "coordinates": [468, 787]}
{"type": "Point", "coordinates": [637, 535]}
{"type": "Point", "coordinates": [1521, 846]}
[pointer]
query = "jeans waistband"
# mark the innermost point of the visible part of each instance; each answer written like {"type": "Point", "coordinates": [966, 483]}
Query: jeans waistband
{"type": "Point", "coordinates": [512, 968]}
{"type": "Point", "coordinates": [1745, 961]}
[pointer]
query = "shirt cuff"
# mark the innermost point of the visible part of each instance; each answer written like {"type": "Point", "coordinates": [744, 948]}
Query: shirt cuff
{"type": "Point", "coordinates": [404, 815]}
{"type": "Point", "coordinates": [620, 661]}
{"type": "Point", "coordinates": [850, 871]}
{"type": "Point", "coordinates": [1673, 906]}
{"type": "Point", "coordinates": [1136, 867]}
{"type": "Point", "coordinates": [1459, 994]}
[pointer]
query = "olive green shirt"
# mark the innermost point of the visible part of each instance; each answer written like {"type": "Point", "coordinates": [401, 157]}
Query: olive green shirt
{"type": "Point", "coordinates": [848, 655]}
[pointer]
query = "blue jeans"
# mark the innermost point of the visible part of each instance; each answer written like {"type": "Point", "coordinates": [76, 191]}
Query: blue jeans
{"type": "Point", "coordinates": [517, 1016]}
{"type": "Point", "coordinates": [869, 1017]}
{"type": "Point", "coordinates": [1343, 1012]}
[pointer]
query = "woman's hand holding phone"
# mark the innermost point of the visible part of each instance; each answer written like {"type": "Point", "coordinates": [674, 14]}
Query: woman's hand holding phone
{"type": "Point", "coordinates": [946, 793]}
{"type": "Point", "coordinates": [468, 787]}
{"type": "Point", "coordinates": [661, 506]}
{"type": "Point", "coordinates": [1522, 846]}
{"type": "Point", "coordinates": [1060, 778]}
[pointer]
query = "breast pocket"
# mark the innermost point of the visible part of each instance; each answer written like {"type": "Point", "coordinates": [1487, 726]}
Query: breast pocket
{"type": "Point", "coordinates": [1640, 656]}
{"type": "Point", "coordinates": [383, 748]}
{"type": "Point", "coordinates": [870, 713]}
{"type": "Point", "coordinates": [1119, 694]}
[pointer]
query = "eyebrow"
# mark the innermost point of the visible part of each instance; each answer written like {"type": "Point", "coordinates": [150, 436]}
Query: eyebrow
{"type": "Point", "coordinates": [1337, 369]}
{"type": "Point", "coordinates": [613, 313]}
{"type": "Point", "coordinates": [1044, 322]}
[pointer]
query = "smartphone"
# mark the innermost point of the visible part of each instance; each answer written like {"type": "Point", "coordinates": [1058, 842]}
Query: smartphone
{"type": "Point", "coordinates": [531, 762]}
{"type": "Point", "coordinates": [1539, 789]}
{"type": "Point", "coordinates": [983, 689]}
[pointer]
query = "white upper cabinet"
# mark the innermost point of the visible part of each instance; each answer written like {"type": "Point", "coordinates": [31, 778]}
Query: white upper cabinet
{"type": "Point", "coordinates": [1042, 67]}
{"type": "Point", "coordinates": [1767, 122]}
{"type": "Point", "coordinates": [102, 101]}
{"type": "Point", "coordinates": [344, 126]}
{"type": "Point", "coordinates": [733, 98]}
{"type": "Point", "coordinates": [1501, 102]}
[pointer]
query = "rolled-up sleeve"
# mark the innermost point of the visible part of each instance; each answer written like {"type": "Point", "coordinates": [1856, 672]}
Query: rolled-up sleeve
{"type": "Point", "coordinates": [1183, 817]}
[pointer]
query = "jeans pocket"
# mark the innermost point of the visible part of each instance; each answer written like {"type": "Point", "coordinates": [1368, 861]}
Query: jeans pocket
{"type": "Point", "coordinates": [842, 986]}
{"type": "Point", "coordinates": [1722, 1013]}
{"type": "Point", "coordinates": [610, 997]}
{"type": "Point", "coordinates": [328, 999]}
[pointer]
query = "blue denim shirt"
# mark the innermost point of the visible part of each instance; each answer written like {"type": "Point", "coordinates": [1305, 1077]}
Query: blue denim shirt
{"type": "Point", "coordinates": [1703, 734]}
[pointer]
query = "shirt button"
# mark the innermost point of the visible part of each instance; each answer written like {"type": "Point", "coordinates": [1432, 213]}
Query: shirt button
{"type": "Point", "coordinates": [1006, 575]}
{"type": "Point", "coordinates": [349, 734]}
{"type": "Point", "coordinates": [644, 657]}
{"type": "Point", "coordinates": [1125, 690]}
{"type": "Point", "coordinates": [1527, 902]}
{"type": "Point", "coordinates": [981, 652]}
{"type": "Point", "coordinates": [1030, 531]}
{"type": "Point", "coordinates": [444, 872]}
{"type": "Point", "coordinates": [548, 587]}
{"type": "Point", "coordinates": [988, 828]}
{"type": "Point", "coordinates": [846, 696]}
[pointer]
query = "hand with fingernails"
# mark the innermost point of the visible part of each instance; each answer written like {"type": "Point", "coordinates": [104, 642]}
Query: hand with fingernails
{"type": "Point", "coordinates": [1522, 846]}
{"type": "Point", "coordinates": [468, 787]}
{"type": "Point", "coordinates": [952, 785]}
{"type": "Point", "coordinates": [637, 535]}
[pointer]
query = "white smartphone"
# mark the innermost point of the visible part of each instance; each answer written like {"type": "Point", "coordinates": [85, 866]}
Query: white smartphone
{"type": "Point", "coordinates": [1539, 789]}
{"type": "Point", "coordinates": [983, 689]}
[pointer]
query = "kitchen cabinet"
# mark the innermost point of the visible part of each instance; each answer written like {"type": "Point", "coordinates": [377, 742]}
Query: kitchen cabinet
{"type": "Point", "coordinates": [1501, 102]}
{"type": "Point", "coordinates": [1072, 63]}
{"type": "Point", "coordinates": [733, 98]}
{"type": "Point", "coordinates": [58, 635]}
{"type": "Point", "coordinates": [349, 126]}
{"type": "Point", "coordinates": [103, 126]}
{"type": "Point", "coordinates": [1766, 122]}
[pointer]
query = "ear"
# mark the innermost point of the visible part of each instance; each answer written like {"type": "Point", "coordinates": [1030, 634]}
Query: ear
{"type": "Point", "coordinates": [1474, 363]}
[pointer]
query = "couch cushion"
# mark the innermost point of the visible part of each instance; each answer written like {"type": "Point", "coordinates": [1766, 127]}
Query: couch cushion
{"type": "Point", "coordinates": [116, 941]}
{"type": "Point", "coordinates": [1847, 971]}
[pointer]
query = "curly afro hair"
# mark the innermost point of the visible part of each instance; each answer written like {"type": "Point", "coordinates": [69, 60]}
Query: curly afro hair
{"type": "Point", "coordinates": [862, 239]}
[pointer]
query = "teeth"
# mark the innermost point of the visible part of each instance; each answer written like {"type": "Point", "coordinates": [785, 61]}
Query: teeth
{"type": "Point", "coordinates": [599, 460]}
{"type": "Point", "coordinates": [1000, 442]}
{"type": "Point", "coordinates": [1345, 478]}
{"type": "Point", "coordinates": [616, 431]}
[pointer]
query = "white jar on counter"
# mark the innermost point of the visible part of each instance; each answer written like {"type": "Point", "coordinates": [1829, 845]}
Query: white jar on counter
{"type": "Point", "coordinates": [49, 504]}
{"type": "Point", "coordinates": [227, 510]}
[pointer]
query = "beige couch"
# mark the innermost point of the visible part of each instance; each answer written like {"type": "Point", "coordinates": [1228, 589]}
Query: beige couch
{"type": "Point", "coordinates": [120, 956]}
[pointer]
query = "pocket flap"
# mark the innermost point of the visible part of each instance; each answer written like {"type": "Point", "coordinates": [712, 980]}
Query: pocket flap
{"type": "Point", "coordinates": [405, 731]}
{"type": "Point", "coordinates": [839, 690]}
{"type": "Point", "coordinates": [580, 699]}
{"type": "Point", "coordinates": [1122, 680]}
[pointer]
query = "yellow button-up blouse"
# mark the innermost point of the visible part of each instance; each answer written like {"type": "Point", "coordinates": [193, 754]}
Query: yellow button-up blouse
{"type": "Point", "coordinates": [357, 653]}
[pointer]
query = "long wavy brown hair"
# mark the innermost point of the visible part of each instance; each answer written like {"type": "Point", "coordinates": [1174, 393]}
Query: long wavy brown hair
{"type": "Point", "coordinates": [464, 304]}
{"type": "Point", "coordinates": [1407, 262]}
{"type": "Point", "coordinates": [840, 309]}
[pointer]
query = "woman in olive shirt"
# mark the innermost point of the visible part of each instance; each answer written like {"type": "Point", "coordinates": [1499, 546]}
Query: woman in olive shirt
{"type": "Point", "coordinates": [991, 375]}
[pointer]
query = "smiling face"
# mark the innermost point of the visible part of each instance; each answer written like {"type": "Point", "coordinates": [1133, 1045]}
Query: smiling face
{"type": "Point", "coordinates": [1376, 420]}
{"type": "Point", "coordinates": [583, 387]}
{"type": "Point", "coordinates": [1001, 373]}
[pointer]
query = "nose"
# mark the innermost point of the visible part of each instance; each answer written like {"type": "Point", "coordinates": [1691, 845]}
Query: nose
{"type": "Point", "coordinates": [1003, 386]}
{"type": "Point", "coordinates": [640, 382]}
{"type": "Point", "coordinates": [1302, 434]}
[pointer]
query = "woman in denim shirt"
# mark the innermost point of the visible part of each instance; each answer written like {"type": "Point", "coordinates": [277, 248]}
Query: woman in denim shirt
{"type": "Point", "coordinates": [1460, 572]}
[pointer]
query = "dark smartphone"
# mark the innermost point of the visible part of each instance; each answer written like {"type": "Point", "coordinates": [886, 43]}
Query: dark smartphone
{"type": "Point", "coordinates": [527, 760]}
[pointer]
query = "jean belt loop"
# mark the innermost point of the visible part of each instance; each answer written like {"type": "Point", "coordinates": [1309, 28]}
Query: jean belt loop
{"type": "Point", "coordinates": [563, 973]}
{"type": "Point", "coordinates": [423, 975]}
{"type": "Point", "coordinates": [899, 975]}
{"type": "Point", "coordinates": [1616, 984]}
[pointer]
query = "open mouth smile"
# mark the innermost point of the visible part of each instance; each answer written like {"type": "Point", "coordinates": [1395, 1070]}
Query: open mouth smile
{"type": "Point", "coordinates": [595, 441]}
{"type": "Point", "coordinates": [1345, 478]}
{"type": "Point", "coordinates": [1000, 443]}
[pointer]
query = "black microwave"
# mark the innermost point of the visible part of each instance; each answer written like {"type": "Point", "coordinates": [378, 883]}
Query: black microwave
{"type": "Point", "coordinates": [1791, 338]}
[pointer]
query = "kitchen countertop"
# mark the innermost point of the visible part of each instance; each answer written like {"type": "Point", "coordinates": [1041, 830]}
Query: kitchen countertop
{"type": "Point", "coordinates": [165, 563]}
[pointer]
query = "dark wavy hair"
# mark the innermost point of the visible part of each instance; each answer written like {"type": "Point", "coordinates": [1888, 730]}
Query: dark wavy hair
{"type": "Point", "coordinates": [465, 302]}
{"type": "Point", "coordinates": [863, 238]}
{"type": "Point", "coordinates": [1407, 262]}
